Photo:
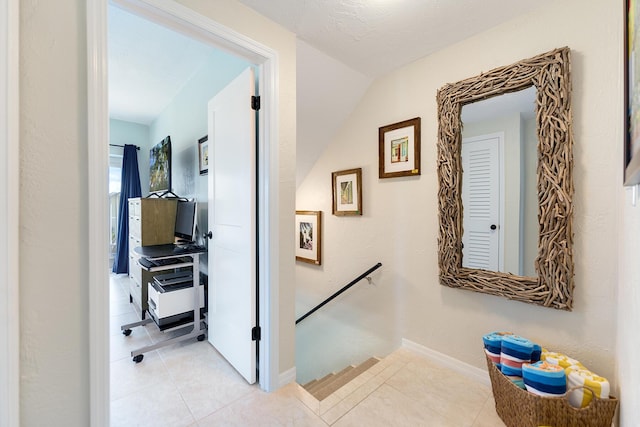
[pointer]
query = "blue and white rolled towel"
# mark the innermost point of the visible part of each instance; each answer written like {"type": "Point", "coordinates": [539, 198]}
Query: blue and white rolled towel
{"type": "Point", "coordinates": [493, 345]}
{"type": "Point", "coordinates": [580, 376]}
{"type": "Point", "coordinates": [518, 381]}
{"type": "Point", "coordinates": [536, 354]}
{"type": "Point", "coordinates": [515, 351]}
{"type": "Point", "coordinates": [544, 379]}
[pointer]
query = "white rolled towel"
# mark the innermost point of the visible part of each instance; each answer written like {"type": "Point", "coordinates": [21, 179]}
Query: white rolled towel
{"type": "Point", "coordinates": [580, 376]}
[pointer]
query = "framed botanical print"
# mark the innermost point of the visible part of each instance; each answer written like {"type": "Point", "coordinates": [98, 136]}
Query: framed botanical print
{"type": "Point", "coordinates": [347, 192]}
{"type": "Point", "coordinates": [399, 149]}
{"type": "Point", "coordinates": [309, 236]}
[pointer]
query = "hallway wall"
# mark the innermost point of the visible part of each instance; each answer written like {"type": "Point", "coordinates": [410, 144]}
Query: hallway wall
{"type": "Point", "coordinates": [399, 226]}
{"type": "Point", "coordinates": [54, 248]}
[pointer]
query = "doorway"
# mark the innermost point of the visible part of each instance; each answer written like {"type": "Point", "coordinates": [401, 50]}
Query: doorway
{"type": "Point", "coordinates": [181, 19]}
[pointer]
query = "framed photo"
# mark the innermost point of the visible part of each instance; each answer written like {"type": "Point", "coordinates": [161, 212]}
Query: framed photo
{"type": "Point", "coordinates": [203, 154]}
{"type": "Point", "coordinates": [399, 149]}
{"type": "Point", "coordinates": [347, 192]}
{"type": "Point", "coordinates": [309, 236]}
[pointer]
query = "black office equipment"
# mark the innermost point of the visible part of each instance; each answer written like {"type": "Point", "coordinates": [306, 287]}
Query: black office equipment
{"type": "Point", "coordinates": [185, 228]}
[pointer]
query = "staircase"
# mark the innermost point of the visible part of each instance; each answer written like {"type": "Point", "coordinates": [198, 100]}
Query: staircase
{"type": "Point", "coordinates": [327, 385]}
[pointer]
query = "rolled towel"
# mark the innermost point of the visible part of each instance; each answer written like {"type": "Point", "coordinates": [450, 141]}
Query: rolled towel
{"type": "Point", "coordinates": [559, 359]}
{"type": "Point", "coordinates": [493, 341]}
{"type": "Point", "coordinates": [495, 357]}
{"type": "Point", "coordinates": [517, 347]}
{"type": "Point", "coordinates": [537, 352]}
{"type": "Point", "coordinates": [515, 351]}
{"type": "Point", "coordinates": [511, 366]}
{"type": "Point", "coordinates": [517, 381]}
{"type": "Point", "coordinates": [580, 376]}
{"type": "Point", "coordinates": [544, 379]}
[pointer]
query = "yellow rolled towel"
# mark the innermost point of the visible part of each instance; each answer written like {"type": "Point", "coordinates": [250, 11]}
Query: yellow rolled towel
{"type": "Point", "coordinates": [580, 376]}
{"type": "Point", "coordinates": [559, 359]}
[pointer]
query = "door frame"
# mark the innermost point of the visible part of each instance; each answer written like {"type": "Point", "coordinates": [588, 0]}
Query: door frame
{"type": "Point", "coordinates": [185, 20]}
{"type": "Point", "coordinates": [9, 214]}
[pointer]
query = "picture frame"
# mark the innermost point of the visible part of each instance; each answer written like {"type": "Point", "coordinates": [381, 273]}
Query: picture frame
{"type": "Point", "coordinates": [632, 93]}
{"type": "Point", "coordinates": [160, 167]}
{"type": "Point", "coordinates": [346, 186]}
{"type": "Point", "coordinates": [399, 149]}
{"type": "Point", "coordinates": [203, 155]}
{"type": "Point", "coordinates": [309, 237]}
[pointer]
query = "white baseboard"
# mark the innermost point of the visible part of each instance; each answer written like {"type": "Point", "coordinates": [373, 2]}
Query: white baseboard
{"type": "Point", "coordinates": [477, 374]}
{"type": "Point", "coordinates": [287, 377]}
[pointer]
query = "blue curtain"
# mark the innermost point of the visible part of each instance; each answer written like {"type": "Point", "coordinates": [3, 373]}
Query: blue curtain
{"type": "Point", "coordinates": [130, 187]}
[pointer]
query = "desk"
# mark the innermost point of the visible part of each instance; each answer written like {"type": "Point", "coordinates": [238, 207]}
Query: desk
{"type": "Point", "coordinates": [182, 254]}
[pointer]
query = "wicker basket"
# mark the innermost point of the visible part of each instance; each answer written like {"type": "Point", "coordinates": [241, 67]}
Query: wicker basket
{"type": "Point", "coordinates": [519, 408]}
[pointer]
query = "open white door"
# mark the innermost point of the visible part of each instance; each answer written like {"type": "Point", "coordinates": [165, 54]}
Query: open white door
{"type": "Point", "coordinates": [232, 221]}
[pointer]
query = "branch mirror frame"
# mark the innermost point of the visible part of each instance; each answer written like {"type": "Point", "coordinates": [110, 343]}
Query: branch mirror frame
{"type": "Point", "coordinates": [553, 287]}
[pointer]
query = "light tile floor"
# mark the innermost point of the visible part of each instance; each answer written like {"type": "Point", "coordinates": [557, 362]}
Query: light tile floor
{"type": "Point", "coordinates": [190, 384]}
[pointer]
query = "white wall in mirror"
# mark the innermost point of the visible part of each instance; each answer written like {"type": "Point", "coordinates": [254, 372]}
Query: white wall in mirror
{"type": "Point", "coordinates": [514, 207]}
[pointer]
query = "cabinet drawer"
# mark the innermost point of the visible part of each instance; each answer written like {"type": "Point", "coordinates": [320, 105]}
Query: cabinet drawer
{"type": "Point", "coordinates": [135, 292]}
{"type": "Point", "coordinates": [135, 227]}
{"type": "Point", "coordinates": [134, 208]}
{"type": "Point", "coordinates": [135, 271]}
{"type": "Point", "coordinates": [134, 242]}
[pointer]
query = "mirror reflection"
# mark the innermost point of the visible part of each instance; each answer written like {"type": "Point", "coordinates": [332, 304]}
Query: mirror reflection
{"type": "Point", "coordinates": [499, 188]}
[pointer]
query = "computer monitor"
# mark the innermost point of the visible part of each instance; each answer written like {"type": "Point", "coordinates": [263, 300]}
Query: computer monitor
{"type": "Point", "coordinates": [185, 229]}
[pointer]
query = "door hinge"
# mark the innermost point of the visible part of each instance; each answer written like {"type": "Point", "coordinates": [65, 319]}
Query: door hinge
{"type": "Point", "coordinates": [255, 333]}
{"type": "Point", "coordinates": [255, 103]}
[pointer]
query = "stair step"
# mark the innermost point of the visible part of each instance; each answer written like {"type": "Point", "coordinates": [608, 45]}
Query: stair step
{"type": "Point", "coordinates": [325, 387]}
{"type": "Point", "coordinates": [328, 382]}
{"type": "Point", "coordinates": [318, 383]}
{"type": "Point", "coordinates": [309, 384]}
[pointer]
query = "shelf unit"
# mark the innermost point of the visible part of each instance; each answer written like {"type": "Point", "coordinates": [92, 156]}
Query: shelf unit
{"type": "Point", "coordinates": [151, 222]}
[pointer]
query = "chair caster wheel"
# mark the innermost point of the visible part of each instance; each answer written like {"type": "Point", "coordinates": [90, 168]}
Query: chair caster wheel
{"type": "Point", "coordinates": [138, 358]}
{"type": "Point", "coordinates": [126, 332]}
{"type": "Point", "coordinates": [201, 337]}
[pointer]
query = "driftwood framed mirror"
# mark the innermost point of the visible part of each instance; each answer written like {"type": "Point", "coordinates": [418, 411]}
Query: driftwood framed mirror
{"type": "Point", "coordinates": [549, 281]}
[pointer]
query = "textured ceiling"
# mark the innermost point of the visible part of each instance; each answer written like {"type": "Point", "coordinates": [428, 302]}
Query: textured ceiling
{"type": "Point", "coordinates": [377, 36]}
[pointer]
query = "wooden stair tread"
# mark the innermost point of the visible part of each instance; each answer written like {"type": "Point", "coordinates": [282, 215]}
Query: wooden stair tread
{"type": "Point", "coordinates": [309, 384]}
{"type": "Point", "coordinates": [336, 377]}
{"type": "Point", "coordinates": [342, 378]}
{"type": "Point", "coordinates": [318, 383]}
{"type": "Point", "coordinates": [329, 379]}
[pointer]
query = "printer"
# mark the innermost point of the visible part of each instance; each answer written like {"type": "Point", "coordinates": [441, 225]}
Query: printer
{"type": "Point", "coordinates": [171, 299]}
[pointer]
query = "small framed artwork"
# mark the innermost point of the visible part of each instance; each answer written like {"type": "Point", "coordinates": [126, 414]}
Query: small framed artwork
{"type": "Point", "coordinates": [399, 149]}
{"type": "Point", "coordinates": [347, 192]}
{"type": "Point", "coordinates": [309, 236]}
{"type": "Point", "coordinates": [203, 154]}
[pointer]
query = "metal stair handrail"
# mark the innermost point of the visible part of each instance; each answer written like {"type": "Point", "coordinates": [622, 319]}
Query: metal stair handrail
{"type": "Point", "coordinates": [347, 286]}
